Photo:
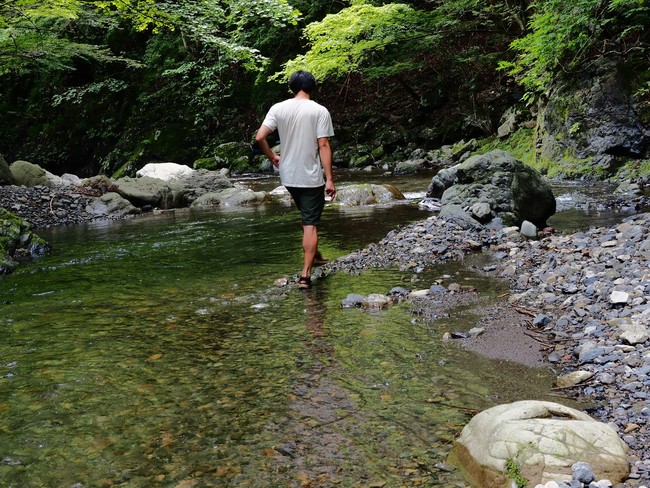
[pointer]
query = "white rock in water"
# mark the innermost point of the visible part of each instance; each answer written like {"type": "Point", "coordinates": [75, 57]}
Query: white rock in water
{"type": "Point", "coordinates": [165, 171]}
{"type": "Point", "coordinates": [279, 190]}
{"type": "Point", "coordinates": [418, 293]}
{"type": "Point", "coordinates": [619, 297]}
{"type": "Point", "coordinates": [376, 300]}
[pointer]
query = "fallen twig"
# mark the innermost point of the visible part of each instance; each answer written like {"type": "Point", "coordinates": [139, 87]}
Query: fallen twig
{"type": "Point", "coordinates": [526, 311]}
{"type": "Point", "coordinates": [537, 339]}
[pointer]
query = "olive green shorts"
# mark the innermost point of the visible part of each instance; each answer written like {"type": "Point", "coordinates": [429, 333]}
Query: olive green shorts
{"type": "Point", "coordinates": [310, 202]}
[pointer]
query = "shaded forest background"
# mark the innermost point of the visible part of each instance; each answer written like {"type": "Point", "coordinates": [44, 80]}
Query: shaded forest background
{"type": "Point", "coordinates": [90, 87]}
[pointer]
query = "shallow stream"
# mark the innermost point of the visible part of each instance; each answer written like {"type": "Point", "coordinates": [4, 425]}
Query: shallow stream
{"type": "Point", "coordinates": [158, 352]}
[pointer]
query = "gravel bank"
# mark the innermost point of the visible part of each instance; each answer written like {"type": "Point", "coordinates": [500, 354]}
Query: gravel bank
{"type": "Point", "coordinates": [48, 207]}
{"type": "Point", "coordinates": [586, 297]}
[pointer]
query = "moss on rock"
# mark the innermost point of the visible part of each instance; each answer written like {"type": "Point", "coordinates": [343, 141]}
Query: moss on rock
{"type": "Point", "coordinates": [17, 241]}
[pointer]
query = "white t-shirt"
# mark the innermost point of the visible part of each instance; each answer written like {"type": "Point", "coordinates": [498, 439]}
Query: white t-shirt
{"type": "Point", "coordinates": [300, 123]}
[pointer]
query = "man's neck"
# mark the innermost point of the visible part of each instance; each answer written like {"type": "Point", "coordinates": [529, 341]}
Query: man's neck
{"type": "Point", "coordinates": [302, 95]}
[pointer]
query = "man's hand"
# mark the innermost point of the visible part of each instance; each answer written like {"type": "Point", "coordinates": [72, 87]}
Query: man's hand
{"type": "Point", "coordinates": [330, 189]}
{"type": "Point", "coordinates": [276, 160]}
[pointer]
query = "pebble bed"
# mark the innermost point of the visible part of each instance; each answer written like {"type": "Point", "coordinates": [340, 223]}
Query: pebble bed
{"type": "Point", "coordinates": [591, 295]}
{"type": "Point", "coordinates": [47, 207]}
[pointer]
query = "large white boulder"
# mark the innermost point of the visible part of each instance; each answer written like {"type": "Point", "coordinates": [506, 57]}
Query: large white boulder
{"type": "Point", "coordinates": [165, 171]}
{"type": "Point", "coordinates": [543, 438]}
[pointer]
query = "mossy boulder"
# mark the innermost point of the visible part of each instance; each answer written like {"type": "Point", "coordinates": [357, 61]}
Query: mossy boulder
{"type": "Point", "coordinates": [208, 163]}
{"type": "Point", "coordinates": [28, 174]}
{"type": "Point", "coordinates": [230, 197]}
{"type": "Point", "coordinates": [514, 191]}
{"type": "Point", "coordinates": [6, 178]}
{"type": "Point", "coordinates": [147, 191]}
{"type": "Point", "coordinates": [367, 194]}
{"type": "Point", "coordinates": [17, 242]}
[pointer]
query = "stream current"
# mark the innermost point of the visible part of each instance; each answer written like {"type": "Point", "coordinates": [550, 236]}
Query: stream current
{"type": "Point", "coordinates": [157, 351]}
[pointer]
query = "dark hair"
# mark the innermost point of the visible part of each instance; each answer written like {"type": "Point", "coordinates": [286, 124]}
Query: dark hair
{"type": "Point", "coordinates": [302, 80]}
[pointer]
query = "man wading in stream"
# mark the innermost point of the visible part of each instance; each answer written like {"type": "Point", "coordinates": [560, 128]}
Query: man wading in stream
{"type": "Point", "coordinates": [304, 128]}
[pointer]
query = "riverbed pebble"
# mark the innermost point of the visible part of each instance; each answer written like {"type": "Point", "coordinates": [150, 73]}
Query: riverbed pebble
{"type": "Point", "coordinates": [47, 207]}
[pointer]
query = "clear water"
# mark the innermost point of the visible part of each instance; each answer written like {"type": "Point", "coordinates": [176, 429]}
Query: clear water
{"type": "Point", "coordinates": [158, 352]}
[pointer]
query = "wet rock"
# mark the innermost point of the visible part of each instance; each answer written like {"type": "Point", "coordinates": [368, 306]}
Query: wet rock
{"type": "Point", "coordinates": [148, 191]}
{"type": "Point", "coordinates": [418, 294]}
{"type": "Point", "coordinates": [17, 242]}
{"type": "Point", "coordinates": [10, 461]}
{"type": "Point", "coordinates": [376, 300]}
{"type": "Point", "coordinates": [112, 204]}
{"type": "Point", "coordinates": [367, 194]}
{"type": "Point", "coordinates": [353, 300]}
{"type": "Point", "coordinates": [545, 438]}
{"type": "Point", "coordinates": [230, 197]}
{"type": "Point", "coordinates": [399, 291]}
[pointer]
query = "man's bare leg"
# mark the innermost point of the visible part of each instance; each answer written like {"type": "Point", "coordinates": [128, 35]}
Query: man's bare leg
{"type": "Point", "coordinates": [309, 247]}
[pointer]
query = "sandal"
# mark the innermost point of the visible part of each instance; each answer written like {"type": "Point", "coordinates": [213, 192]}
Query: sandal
{"type": "Point", "coordinates": [319, 260]}
{"type": "Point", "coordinates": [304, 282]}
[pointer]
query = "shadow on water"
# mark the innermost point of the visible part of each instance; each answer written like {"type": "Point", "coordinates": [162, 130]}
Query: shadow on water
{"type": "Point", "coordinates": [157, 352]}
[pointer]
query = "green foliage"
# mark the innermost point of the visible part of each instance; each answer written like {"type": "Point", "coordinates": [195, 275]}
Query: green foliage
{"type": "Point", "coordinates": [205, 163]}
{"type": "Point", "coordinates": [104, 75]}
{"type": "Point", "coordinates": [633, 170]}
{"type": "Point", "coordinates": [31, 37]}
{"type": "Point", "coordinates": [353, 38]}
{"type": "Point", "coordinates": [521, 144]}
{"type": "Point", "coordinates": [391, 38]}
{"type": "Point", "coordinates": [565, 37]}
{"type": "Point", "coordinates": [513, 472]}
{"type": "Point", "coordinates": [32, 32]}
{"type": "Point", "coordinates": [222, 25]}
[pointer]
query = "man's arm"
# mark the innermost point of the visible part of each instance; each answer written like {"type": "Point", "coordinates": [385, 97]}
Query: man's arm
{"type": "Point", "coordinates": [325, 152]}
{"type": "Point", "coordinates": [263, 144]}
